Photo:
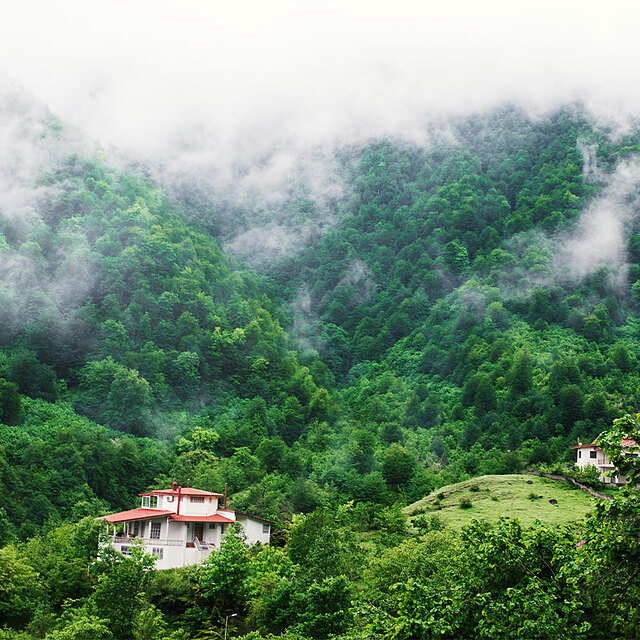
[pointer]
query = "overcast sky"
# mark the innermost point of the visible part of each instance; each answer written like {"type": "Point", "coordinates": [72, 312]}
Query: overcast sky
{"type": "Point", "coordinates": [139, 73]}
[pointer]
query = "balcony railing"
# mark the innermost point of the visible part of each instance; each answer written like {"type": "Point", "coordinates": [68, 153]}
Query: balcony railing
{"type": "Point", "coordinates": [158, 542]}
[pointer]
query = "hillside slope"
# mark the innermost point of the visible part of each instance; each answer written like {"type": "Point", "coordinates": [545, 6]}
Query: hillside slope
{"type": "Point", "coordinates": [510, 496]}
{"type": "Point", "coordinates": [440, 337]}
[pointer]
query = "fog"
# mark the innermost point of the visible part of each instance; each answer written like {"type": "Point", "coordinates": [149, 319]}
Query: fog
{"type": "Point", "coordinates": [208, 86]}
{"type": "Point", "coordinates": [599, 239]}
{"type": "Point", "coordinates": [237, 108]}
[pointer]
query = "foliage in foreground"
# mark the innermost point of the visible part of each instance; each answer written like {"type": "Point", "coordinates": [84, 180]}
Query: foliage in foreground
{"type": "Point", "coordinates": [578, 582]}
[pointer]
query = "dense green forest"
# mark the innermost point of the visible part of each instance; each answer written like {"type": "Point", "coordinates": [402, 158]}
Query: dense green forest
{"type": "Point", "coordinates": [431, 334]}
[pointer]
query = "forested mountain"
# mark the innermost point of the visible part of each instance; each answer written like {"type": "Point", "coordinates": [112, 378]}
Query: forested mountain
{"type": "Point", "coordinates": [470, 309]}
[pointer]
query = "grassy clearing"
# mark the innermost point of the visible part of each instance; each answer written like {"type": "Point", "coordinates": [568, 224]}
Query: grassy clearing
{"type": "Point", "coordinates": [510, 496]}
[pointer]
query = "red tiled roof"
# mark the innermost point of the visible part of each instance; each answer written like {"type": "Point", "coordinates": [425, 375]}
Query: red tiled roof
{"type": "Point", "coordinates": [185, 491]}
{"type": "Point", "coordinates": [135, 514]}
{"type": "Point", "coordinates": [216, 517]}
{"type": "Point", "coordinates": [625, 442]}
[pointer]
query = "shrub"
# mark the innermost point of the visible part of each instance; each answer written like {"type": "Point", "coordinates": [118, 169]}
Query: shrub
{"type": "Point", "coordinates": [474, 487]}
{"type": "Point", "coordinates": [588, 475]}
{"type": "Point", "coordinates": [440, 496]}
{"type": "Point", "coordinates": [465, 503]}
{"type": "Point", "coordinates": [431, 523]}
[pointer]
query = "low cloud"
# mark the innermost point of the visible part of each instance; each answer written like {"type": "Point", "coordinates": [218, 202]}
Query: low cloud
{"type": "Point", "coordinates": [600, 237]}
{"type": "Point", "coordinates": [597, 240]}
{"type": "Point", "coordinates": [40, 282]}
{"type": "Point", "coordinates": [234, 101]}
{"type": "Point", "coordinates": [237, 109]}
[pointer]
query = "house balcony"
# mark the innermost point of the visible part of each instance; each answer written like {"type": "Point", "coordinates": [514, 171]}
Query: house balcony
{"type": "Point", "coordinates": [157, 542]}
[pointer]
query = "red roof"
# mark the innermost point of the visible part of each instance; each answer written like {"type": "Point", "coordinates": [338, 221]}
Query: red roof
{"type": "Point", "coordinates": [625, 442]}
{"type": "Point", "coordinates": [216, 517]}
{"type": "Point", "coordinates": [185, 491]}
{"type": "Point", "coordinates": [135, 514]}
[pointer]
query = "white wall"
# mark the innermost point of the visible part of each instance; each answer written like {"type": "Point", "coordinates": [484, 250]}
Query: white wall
{"type": "Point", "coordinates": [175, 535]}
{"type": "Point", "coordinates": [584, 459]}
{"type": "Point", "coordinates": [178, 531]}
{"type": "Point", "coordinates": [254, 530]}
{"type": "Point", "coordinates": [206, 508]}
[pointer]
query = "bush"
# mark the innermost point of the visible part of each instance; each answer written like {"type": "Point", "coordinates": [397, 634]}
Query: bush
{"type": "Point", "coordinates": [588, 475]}
{"type": "Point", "coordinates": [465, 503]}
{"type": "Point", "coordinates": [474, 487]}
{"type": "Point", "coordinates": [424, 524]}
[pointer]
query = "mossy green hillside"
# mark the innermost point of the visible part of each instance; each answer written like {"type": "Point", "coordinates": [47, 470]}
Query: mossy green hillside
{"type": "Point", "coordinates": [525, 497]}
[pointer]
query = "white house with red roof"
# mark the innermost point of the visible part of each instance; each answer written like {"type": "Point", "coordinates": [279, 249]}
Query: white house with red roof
{"type": "Point", "coordinates": [181, 525]}
{"type": "Point", "coordinates": [593, 455]}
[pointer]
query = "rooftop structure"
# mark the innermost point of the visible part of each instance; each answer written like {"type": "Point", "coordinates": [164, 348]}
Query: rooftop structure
{"type": "Point", "coordinates": [181, 525]}
{"type": "Point", "coordinates": [592, 454]}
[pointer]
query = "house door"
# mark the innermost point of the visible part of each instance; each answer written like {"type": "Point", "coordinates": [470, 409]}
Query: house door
{"type": "Point", "coordinates": [198, 531]}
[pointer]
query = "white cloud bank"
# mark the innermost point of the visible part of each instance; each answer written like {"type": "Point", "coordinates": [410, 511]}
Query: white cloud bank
{"type": "Point", "coordinates": [250, 76]}
{"type": "Point", "coordinates": [240, 96]}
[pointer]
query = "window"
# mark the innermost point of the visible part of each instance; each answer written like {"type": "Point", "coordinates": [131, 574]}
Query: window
{"type": "Point", "coordinates": [155, 530]}
{"type": "Point", "coordinates": [157, 551]}
{"type": "Point", "coordinates": [125, 549]}
{"type": "Point", "coordinates": [593, 454]}
{"type": "Point", "coordinates": [579, 454]}
{"type": "Point", "coordinates": [212, 525]}
{"type": "Point", "coordinates": [151, 502]}
{"type": "Point", "coordinates": [169, 498]}
{"type": "Point", "coordinates": [265, 528]}
{"type": "Point", "coordinates": [197, 499]}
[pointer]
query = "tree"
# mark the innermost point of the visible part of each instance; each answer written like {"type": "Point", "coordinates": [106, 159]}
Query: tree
{"type": "Point", "coordinates": [32, 377]}
{"type": "Point", "coordinates": [484, 398]}
{"type": "Point", "coordinates": [321, 546]}
{"type": "Point", "coordinates": [292, 420]}
{"type": "Point", "coordinates": [118, 575]}
{"type": "Point", "coordinates": [128, 401]}
{"type": "Point", "coordinates": [361, 447]}
{"type": "Point", "coordinates": [570, 405]}
{"type": "Point", "coordinates": [305, 496]}
{"type": "Point", "coordinates": [271, 452]}
{"type": "Point", "coordinates": [456, 257]}
{"type": "Point", "coordinates": [521, 374]}
{"type": "Point", "coordinates": [505, 583]}
{"type": "Point", "coordinates": [184, 373]}
{"type": "Point", "coordinates": [398, 465]}
{"type": "Point", "coordinates": [324, 611]}
{"type": "Point", "coordinates": [10, 403]}
{"type": "Point", "coordinates": [83, 627]}
{"type": "Point", "coordinates": [19, 587]}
